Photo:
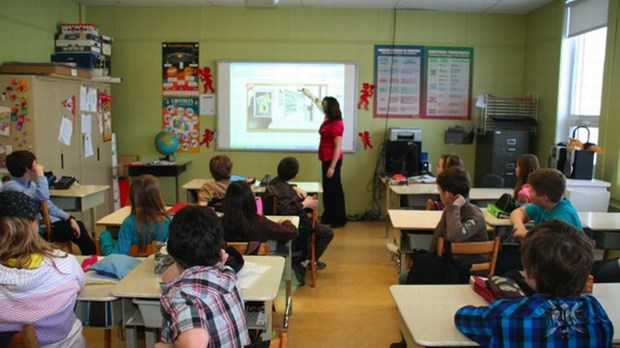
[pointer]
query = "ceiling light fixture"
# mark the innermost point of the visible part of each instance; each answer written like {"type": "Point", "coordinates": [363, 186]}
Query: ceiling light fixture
{"type": "Point", "coordinates": [261, 2]}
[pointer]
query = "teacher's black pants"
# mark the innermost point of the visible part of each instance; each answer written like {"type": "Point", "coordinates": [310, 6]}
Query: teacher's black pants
{"type": "Point", "coordinates": [333, 196]}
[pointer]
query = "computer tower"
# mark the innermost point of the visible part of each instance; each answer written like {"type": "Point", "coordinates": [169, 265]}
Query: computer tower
{"type": "Point", "coordinates": [403, 157]}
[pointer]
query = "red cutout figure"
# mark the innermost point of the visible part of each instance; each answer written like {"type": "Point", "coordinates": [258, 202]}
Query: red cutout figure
{"type": "Point", "coordinates": [366, 93]}
{"type": "Point", "coordinates": [207, 137]}
{"type": "Point", "coordinates": [207, 79]}
{"type": "Point", "coordinates": [365, 136]}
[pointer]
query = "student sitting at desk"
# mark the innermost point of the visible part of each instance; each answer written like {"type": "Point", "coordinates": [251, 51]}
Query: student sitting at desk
{"type": "Point", "coordinates": [525, 165]}
{"type": "Point", "coordinates": [147, 222]}
{"type": "Point", "coordinates": [445, 161]}
{"type": "Point", "coordinates": [557, 259]}
{"type": "Point", "coordinates": [460, 221]}
{"type": "Point", "coordinates": [27, 177]}
{"type": "Point", "coordinates": [39, 284]}
{"type": "Point", "coordinates": [212, 192]}
{"type": "Point", "coordinates": [292, 200]}
{"type": "Point", "coordinates": [243, 224]}
{"type": "Point", "coordinates": [202, 305]}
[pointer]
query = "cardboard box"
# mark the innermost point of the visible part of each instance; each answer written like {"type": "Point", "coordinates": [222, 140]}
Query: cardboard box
{"type": "Point", "coordinates": [78, 36]}
{"type": "Point", "coordinates": [123, 162]}
{"type": "Point", "coordinates": [83, 60]}
{"type": "Point", "coordinates": [68, 28]}
{"type": "Point", "coordinates": [44, 69]}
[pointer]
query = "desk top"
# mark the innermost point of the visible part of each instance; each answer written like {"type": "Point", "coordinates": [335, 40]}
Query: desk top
{"type": "Point", "coordinates": [116, 218]}
{"type": "Point", "coordinates": [157, 168]}
{"type": "Point", "coordinates": [159, 164]}
{"type": "Point", "coordinates": [597, 221]}
{"type": "Point", "coordinates": [428, 310]}
{"type": "Point", "coordinates": [142, 282]}
{"type": "Point", "coordinates": [418, 220]}
{"type": "Point", "coordinates": [77, 190]}
{"type": "Point", "coordinates": [475, 193]}
{"type": "Point", "coordinates": [308, 186]}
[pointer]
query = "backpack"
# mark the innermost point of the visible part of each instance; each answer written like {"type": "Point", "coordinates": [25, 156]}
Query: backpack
{"type": "Point", "coordinates": [428, 268]}
{"type": "Point", "coordinates": [506, 203]}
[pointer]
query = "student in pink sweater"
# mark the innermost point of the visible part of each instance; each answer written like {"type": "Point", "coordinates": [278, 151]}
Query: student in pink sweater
{"type": "Point", "coordinates": [39, 285]}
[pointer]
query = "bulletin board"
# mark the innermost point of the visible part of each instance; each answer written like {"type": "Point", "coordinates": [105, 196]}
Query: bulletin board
{"type": "Point", "coordinates": [423, 82]}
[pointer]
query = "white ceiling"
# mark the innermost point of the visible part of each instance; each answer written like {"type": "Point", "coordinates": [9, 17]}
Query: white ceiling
{"type": "Point", "coordinates": [479, 6]}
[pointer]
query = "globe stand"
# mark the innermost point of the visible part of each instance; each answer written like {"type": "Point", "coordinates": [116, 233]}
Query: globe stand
{"type": "Point", "coordinates": [168, 158]}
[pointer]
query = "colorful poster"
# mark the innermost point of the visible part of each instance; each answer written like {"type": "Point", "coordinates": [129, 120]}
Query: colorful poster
{"type": "Point", "coordinates": [180, 116]}
{"type": "Point", "coordinates": [179, 72]}
{"type": "Point", "coordinates": [448, 82]}
{"type": "Point", "coordinates": [398, 77]}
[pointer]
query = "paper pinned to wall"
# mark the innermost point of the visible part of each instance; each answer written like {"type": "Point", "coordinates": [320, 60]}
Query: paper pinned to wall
{"type": "Point", "coordinates": [88, 99]}
{"type": "Point", "coordinates": [207, 104]}
{"type": "Point", "coordinates": [88, 146]}
{"type": "Point", "coordinates": [65, 131]}
{"type": "Point", "coordinates": [86, 124]}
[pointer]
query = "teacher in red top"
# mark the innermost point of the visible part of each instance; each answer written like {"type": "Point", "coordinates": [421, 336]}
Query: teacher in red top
{"type": "Point", "coordinates": [330, 155]}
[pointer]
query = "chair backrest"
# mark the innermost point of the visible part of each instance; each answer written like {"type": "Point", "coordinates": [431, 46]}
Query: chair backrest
{"type": "Point", "coordinates": [492, 181]}
{"type": "Point", "coordinates": [475, 248]}
{"type": "Point", "coordinates": [142, 250]}
{"type": "Point", "coordinates": [46, 221]}
{"type": "Point", "coordinates": [26, 338]}
{"type": "Point", "coordinates": [242, 247]}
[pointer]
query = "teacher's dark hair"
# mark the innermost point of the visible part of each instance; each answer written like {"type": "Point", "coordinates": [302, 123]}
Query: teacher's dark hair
{"type": "Point", "coordinates": [332, 108]}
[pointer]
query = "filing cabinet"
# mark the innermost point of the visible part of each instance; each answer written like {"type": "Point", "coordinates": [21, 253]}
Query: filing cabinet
{"type": "Point", "coordinates": [497, 152]}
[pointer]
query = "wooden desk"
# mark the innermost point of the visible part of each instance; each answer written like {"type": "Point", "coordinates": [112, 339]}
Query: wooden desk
{"type": "Point", "coordinates": [194, 185]}
{"type": "Point", "coordinates": [427, 311]}
{"type": "Point", "coordinates": [422, 192]}
{"type": "Point", "coordinates": [160, 169]}
{"type": "Point", "coordinates": [143, 283]}
{"type": "Point", "coordinates": [112, 223]}
{"type": "Point", "coordinates": [97, 293]}
{"type": "Point", "coordinates": [80, 198]}
{"type": "Point", "coordinates": [422, 222]}
{"type": "Point", "coordinates": [603, 227]}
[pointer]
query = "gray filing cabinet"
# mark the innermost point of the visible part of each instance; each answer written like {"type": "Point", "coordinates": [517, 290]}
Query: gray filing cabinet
{"type": "Point", "coordinates": [497, 152]}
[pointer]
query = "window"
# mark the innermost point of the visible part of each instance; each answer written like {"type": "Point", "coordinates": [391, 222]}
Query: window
{"type": "Point", "coordinates": [583, 60]}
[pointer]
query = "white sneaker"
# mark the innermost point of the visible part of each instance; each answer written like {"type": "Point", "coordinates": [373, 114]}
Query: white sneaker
{"type": "Point", "coordinates": [393, 248]}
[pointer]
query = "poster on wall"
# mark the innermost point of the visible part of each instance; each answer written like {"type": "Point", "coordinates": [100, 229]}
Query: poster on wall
{"type": "Point", "coordinates": [423, 82]}
{"type": "Point", "coordinates": [398, 78]}
{"type": "Point", "coordinates": [180, 116]}
{"type": "Point", "coordinates": [180, 61]}
{"type": "Point", "coordinates": [448, 72]}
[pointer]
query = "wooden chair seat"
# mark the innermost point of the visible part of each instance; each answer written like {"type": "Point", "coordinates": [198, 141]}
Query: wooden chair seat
{"type": "Point", "coordinates": [475, 248]}
{"type": "Point", "coordinates": [26, 338]}
{"type": "Point", "coordinates": [242, 247]}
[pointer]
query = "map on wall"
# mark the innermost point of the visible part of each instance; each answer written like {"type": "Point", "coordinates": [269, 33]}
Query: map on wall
{"type": "Point", "coordinates": [423, 82]}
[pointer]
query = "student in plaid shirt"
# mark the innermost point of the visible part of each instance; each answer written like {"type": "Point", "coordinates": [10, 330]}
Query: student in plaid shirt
{"type": "Point", "coordinates": [202, 306]}
{"type": "Point", "coordinates": [557, 260]}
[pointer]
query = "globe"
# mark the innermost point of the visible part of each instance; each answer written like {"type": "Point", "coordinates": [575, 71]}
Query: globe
{"type": "Point", "coordinates": [166, 143]}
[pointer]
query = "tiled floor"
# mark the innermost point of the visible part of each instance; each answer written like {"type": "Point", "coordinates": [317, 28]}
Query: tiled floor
{"type": "Point", "coordinates": [351, 305]}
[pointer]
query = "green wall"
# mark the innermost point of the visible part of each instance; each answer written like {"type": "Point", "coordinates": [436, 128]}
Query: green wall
{"type": "Point", "coordinates": [514, 55]}
{"type": "Point", "coordinates": [299, 34]}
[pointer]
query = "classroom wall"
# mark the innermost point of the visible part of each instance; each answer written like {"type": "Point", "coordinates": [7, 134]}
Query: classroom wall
{"type": "Point", "coordinates": [514, 55]}
{"type": "Point", "coordinates": [299, 34]}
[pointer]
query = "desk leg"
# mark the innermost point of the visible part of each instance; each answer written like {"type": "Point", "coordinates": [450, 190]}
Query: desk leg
{"type": "Point", "coordinates": [131, 334]}
{"type": "Point", "coordinates": [150, 336]}
{"type": "Point", "coordinates": [388, 203]}
{"type": "Point", "coordinates": [176, 188]}
{"type": "Point", "coordinates": [93, 223]}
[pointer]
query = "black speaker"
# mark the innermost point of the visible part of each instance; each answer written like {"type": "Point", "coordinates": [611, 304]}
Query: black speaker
{"type": "Point", "coordinates": [403, 157]}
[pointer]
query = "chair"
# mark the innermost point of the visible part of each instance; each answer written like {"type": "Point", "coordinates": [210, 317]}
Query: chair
{"type": "Point", "coordinates": [26, 338]}
{"type": "Point", "coordinates": [472, 248]}
{"type": "Point", "coordinates": [142, 250]}
{"type": "Point", "coordinates": [492, 181]}
{"type": "Point", "coordinates": [47, 222]}
{"type": "Point", "coordinates": [242, 247]}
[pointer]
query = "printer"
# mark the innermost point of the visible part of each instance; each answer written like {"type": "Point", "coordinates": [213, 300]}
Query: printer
{"type": "Point", "coordinates": [406, 134]}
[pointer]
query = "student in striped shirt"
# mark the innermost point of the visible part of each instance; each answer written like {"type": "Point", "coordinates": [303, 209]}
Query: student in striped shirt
{"type": "Point", "coordinates": [38, 284]}
{"type": "Point", "coordinates": [557, 259]}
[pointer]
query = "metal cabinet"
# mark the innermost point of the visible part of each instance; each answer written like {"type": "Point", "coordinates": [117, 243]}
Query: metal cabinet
{"type": "Point", "coordinates": [497, 152]}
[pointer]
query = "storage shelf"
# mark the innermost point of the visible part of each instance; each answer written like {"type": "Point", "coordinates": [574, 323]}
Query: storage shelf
{"type": "Point", "coordinates": [519, 113]}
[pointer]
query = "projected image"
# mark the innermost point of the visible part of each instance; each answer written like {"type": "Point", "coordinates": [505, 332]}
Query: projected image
{"type": "Point", "coordinates": [261, 106]}
{"type": "Point", "coordinates": [282, 107]}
